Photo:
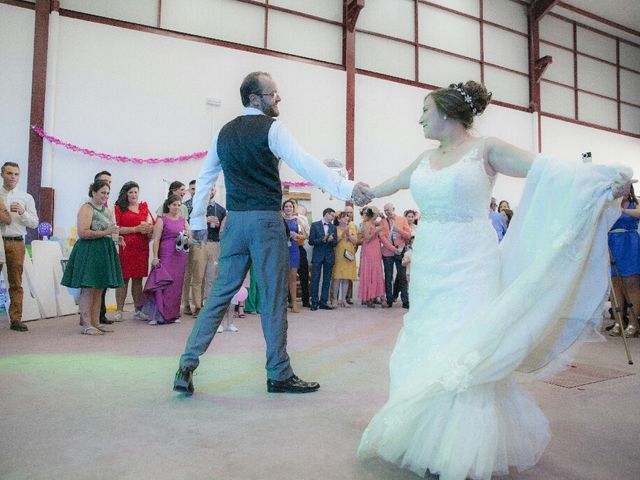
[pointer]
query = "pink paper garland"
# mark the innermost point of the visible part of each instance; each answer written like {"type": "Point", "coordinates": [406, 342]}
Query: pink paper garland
{"type": "Point", "coordinates": [117, 158]}
{"type": "Point", "coordinates": [296, 184]}
{"type": "Point", "coordinates": [139, 161]}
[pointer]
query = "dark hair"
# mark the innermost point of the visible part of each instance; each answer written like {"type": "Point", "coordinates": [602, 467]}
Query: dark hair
{"type": "Point", "coordinates": [407, 212]}
{"type": "Point", "coordinates": [174, 186]}
{"type": "Point", "coordinates": [170, 199]}
{"type": "Point", "coordinates": [9, 164]}
{"type": "Point", "coordinates": [509, 213]}
{"type": "Point", "coordinates": [328, 210]}
{"type": "Point", "coordinates": [99, 174]}
{"type": "Point", "coordinates": [251, 84]}
{"type": "Point", "coordinates": [192, 182]}
{"type": "Point", "coordinates": [367, 211]}
{"type": "Point", "coordinates": [288, 200]}
{"type": "Point", "coordinates": [501, 202]}
{"type": "Point", "coordinates": [462, 102]}
{"type": "Point", "coordinates": [97, 185]}
{"type": "Point", "coordinates": [632, 195]}
{"type": "Point", "coordinates": [123, 201]}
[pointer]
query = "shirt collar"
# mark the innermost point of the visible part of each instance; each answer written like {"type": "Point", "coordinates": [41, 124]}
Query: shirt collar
{"type": "Point", "coordinates": [252, 111]}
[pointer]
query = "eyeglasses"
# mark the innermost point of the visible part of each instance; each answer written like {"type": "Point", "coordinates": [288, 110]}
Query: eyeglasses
{"type": "Point", "coordinates": [273, 94]}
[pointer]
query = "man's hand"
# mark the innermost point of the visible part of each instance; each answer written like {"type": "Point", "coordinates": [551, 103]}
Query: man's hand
{"type": "Point", "coordinates": [198, 237]}
{"type": "Point", "coordinates": [362, 194]}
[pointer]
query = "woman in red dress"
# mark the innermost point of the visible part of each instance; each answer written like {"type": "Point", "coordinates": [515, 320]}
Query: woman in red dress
{"type": "Point", "coordinates": [136, 226]}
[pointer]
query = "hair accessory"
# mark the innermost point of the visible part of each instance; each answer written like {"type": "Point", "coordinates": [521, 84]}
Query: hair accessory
{"type": "Point", "coordinates": [466, 97]}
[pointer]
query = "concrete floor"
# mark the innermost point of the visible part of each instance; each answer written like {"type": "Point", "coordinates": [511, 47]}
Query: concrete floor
{"type": "Point", "coordinates": [82, 407]}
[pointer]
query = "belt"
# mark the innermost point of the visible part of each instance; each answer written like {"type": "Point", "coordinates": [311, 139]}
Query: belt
{"type": "Point", "coordinates": [13, 239]}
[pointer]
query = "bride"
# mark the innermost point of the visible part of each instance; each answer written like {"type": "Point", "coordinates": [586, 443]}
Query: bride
{"type": "Point", "coordinates": [477, 321]}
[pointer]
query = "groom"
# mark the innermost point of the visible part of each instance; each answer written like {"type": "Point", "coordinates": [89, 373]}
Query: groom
{"type": "Point", "coordinates": [248, 150]}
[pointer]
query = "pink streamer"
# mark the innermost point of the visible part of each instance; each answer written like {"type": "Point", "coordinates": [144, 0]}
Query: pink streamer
{"type": "Point", "coordinates": [136, 160]}
{"type": "Point", "coordinates": [117, 158]}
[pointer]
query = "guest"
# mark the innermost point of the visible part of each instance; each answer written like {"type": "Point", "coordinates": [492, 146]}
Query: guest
{"type": "Point", "coordinates": [163, 289]}
{"type": "Point", "coordinates": [624, 248]}
{"type": "Point", "coordinates": [106, 176]}
{"type": "Point", "coordinates": [497, 221]}
{"type": "Point", "coordinates": [216, 217]}
{"type": "Point", "coordinates": [176, 188]}
{"type": "Point", "coordinates": [412, 220]}
{"type": "Point", "coordinates": [395, 234]}
{"type": "Point", "coordinates": [303, 267]}
{"type": "Point", "coordinates": [349, 211]}
{"type": "Point", "coordinates": [196, 257]}
{"type": "Point", "coordinates": [506, 216]}
{"type": "Point", "coordinates": [136, 226]}
{"type": "Point", "coordinates": [22, 210]}
{"type": "Point", "coordinates": [344, 268]}
{"type": "Point", "coordinates": [192, 192]}
{"type": "Point", "coordinates": [503, 205]}
{"type": "Point", "coordinates": [323, 237]}
{"type": "Point", "coordinates": [5, 219]}
{"type": "Point", "coordinates": [236, 302]}
{"type": "Point", "coordinates": [93, 264]}
{"type": "Point", "coordinates": [371, 282]}
{"type": "Point", "coordinates": [296, 233]}
{"type": "Point", "coordinates": [253, 304]}
{"type": "Point", "coordinates": [410, 215]}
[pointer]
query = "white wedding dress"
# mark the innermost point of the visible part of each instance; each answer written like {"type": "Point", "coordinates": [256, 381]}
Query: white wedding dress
{"type": "Point", "coordinates": [479, 311]}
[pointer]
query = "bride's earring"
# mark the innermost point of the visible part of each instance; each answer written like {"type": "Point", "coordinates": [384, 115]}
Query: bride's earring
{"type": "Point", "coordinates": [444, 117]}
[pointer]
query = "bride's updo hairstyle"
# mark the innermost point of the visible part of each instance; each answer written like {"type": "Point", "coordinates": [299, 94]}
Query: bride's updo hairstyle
{"type": "Point", "coordinates": [462, 102]}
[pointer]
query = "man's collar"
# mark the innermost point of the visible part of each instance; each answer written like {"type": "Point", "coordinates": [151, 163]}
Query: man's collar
{"type": "Point", "coordinates": [5, 188]}
{"type": "Point", "coordinates": [252, 111]}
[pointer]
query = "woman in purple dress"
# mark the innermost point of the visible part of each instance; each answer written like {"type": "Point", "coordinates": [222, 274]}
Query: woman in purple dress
{"type": "Point", "coordinates": [163, 290]}
{"type": "Point", "coordinates": [296, 233]}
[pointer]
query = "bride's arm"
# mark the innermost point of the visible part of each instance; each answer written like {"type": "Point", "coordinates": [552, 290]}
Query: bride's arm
{"type": "Point", "coordinates": [507, 159]}
{"type": "Point", "coordinates": [399, 182]}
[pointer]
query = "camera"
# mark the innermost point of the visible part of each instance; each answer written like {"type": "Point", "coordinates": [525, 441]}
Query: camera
{"type": "Point", "coordinates": [586, 157]}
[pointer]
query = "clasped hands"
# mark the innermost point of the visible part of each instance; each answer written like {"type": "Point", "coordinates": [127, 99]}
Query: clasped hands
{"type": "Point", "coordinates": [621, 185]}
{"type": "Point", "coordinates": [362, 194]}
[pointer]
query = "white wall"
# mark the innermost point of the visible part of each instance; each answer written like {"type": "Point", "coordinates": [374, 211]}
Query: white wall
{"type": "Point", "coordinates": [16, 63]}
{"type": "Point", "coordinates": [139, 94]}
{"type": "Point", "coordinates": [568, 141]}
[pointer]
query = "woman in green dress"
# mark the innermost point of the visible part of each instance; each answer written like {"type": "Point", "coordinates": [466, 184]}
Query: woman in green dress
{"type": "Point", "coordinates": [93, 264]}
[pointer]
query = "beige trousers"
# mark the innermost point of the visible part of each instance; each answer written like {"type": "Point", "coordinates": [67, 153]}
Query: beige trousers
{"type": "Point", "coordinates": [202, 270]}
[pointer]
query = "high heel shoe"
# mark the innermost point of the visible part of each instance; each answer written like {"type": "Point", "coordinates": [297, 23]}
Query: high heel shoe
{"type": "Point", "coordinates": [344, 304]}
{"type": "Point", "coordinates": [295, 308]}
{"type": "Point", "coordinates": [615, 331]}
{"type": "Point", "coordinates": [370, 304]}
{"type": "Point", "coordinates": [631, 331]}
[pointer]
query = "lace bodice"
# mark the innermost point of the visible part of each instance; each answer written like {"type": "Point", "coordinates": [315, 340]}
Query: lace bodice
{"type": "Point", "coordinates": [458, 193]}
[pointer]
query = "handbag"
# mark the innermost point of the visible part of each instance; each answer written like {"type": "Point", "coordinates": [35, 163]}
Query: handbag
{"type": "Point", "coordinates": [348, 254]}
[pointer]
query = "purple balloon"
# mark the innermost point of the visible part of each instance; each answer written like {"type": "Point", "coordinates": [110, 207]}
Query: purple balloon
{"type": "Point", "coordinates": [45, 229]}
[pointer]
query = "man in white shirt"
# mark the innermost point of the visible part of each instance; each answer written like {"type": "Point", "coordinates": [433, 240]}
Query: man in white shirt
{"type": "Point", "coordinates": [248, 149]}
{"type": "Point", "coordinates": [22, 209]}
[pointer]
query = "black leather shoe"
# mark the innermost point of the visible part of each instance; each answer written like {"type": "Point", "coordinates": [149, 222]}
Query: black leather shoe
{"type": "Point", "coordinates": [349, 301]}
{"type": "Point", "coordinates": [314, 307]}
{"type": "Point", "coordinates": [291, 385]}
{"type": "Point", "coordinates": [405, 305]}
{"type": "Point", "coordinates": [306, 305]}
{"type": "Point", "coordinates": [324, 306]}
{"type": "Point", "coordinates": [184, 381]}
{"type": "Point", "coordinates": [106, 321]}
{"type": "Point", "coordinates": [19, 327]}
